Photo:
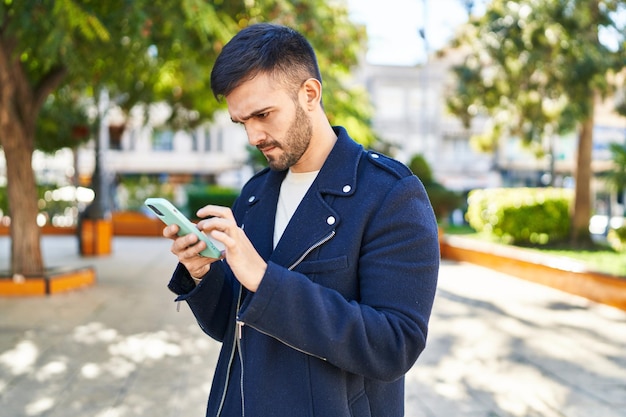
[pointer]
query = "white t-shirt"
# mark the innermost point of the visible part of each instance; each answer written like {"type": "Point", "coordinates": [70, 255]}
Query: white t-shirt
{"type": "Point", "coordinates": [292, 191]}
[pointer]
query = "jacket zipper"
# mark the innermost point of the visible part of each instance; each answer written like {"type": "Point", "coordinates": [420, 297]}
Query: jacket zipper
{"type": "Point", "coordinates": [311, 249]}
{"type": "Point", "coordinates": [240, 353]}
{"type": "Point", "coordinates": [230, 360]}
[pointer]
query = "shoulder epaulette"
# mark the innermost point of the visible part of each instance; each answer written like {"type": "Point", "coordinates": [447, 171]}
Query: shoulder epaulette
{"type": "Point", "coordinates": [390, 165]}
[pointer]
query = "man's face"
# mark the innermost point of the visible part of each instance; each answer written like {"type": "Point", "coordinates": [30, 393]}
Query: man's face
{"type": "Point", "coordinates": [275, 124]}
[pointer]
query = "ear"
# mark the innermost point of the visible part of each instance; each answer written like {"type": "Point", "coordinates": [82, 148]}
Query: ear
{"type": "Point", "coordinates": [313, 92]}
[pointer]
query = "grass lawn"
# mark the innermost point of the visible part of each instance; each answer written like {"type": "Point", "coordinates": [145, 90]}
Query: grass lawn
{"type": "Point", "coordinates": [600, 258]}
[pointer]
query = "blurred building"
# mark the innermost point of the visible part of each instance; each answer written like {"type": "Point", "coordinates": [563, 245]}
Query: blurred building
{"type": "Point", "coordinates": [213, 152]}
{"type": "Point", "coordinates": [411, 116]}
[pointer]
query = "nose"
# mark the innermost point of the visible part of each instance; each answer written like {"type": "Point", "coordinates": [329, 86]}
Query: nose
{"type": "Point", "coordinates": [255, 135]}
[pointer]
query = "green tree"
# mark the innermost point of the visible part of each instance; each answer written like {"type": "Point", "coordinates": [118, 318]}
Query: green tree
{"type": "Point", "coordinates": [54, 55]}
{"type": "Point", "coordinates": [536, 69]}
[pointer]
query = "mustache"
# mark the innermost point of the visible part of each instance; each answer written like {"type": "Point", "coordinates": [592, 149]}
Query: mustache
{"type": "Point", "coordinates": [268, 144]}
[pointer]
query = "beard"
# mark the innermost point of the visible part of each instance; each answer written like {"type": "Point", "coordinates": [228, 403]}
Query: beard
{"type": "Point", "coordinates": [294, 144]}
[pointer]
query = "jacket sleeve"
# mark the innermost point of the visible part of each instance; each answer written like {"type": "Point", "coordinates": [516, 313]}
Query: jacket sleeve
{"type": "Point", "coordinates": [213, 300]}
{"type": "Point", "coordinates": [380, 335]}
{"type": "Point", "coordinates": [210, 301]}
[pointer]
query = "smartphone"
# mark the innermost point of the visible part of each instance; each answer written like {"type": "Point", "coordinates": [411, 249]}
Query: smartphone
{"type": "Point", "coordinates": [169, 215]}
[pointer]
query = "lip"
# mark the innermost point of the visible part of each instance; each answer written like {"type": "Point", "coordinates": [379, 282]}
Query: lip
{"type": "Point", "coordinates": [267, 149]}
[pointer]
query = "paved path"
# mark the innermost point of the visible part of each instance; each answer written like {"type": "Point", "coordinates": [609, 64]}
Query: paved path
{"type": "Point", "coordinates": [498, 346]}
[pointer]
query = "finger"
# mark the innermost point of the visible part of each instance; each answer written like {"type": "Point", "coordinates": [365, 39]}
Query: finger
{"type": "Point", "coordinates": [215, 211]}
{"type": "Point", "coordinates": [217, 223]}
{"type": "Point", "coordinates": [192, 253]}
{"type": "Point", "coordinates": [186, 243]}
{"type": "Point", "coordinates": [190, 256]}
{"type": "Point", "coordinates": [224, 236]}
{"type": "Point", "coordinates": [170, 231]}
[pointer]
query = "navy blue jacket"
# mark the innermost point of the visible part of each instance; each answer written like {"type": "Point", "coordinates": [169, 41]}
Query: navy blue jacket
{"type": "Point", "coordinates": [342, 311]}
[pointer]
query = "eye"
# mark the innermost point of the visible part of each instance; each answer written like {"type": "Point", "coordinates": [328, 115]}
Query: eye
{"type": "Point", "coordinates": [262, 115]}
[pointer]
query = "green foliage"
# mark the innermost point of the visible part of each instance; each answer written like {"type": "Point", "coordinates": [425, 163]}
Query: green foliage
{"type": "Point", "coordinates": [63, 122]}
{"type": "Point", "coordinates": [535, 69]}
{"type": "Point", "coordinates": [4, 202]}
{"type": "Point", "coordinates": [521, 215]}
{"type": "Point", "coordinates": [163, 51]}
{"type": "Point", "coordinates": [444, 201]}
{"type": "Point", "coordinates": [617, 238]}
{"type": "Point", "coordinates": [421, 168]}
{"type": "Point", "coordinates": [616, 177]}
{"type": "Point", "coordinates": [199, 196]}
{"type": "Point", "coordinates": [534, 65]}
{"type": "Point", "coordinates": [132, 191]}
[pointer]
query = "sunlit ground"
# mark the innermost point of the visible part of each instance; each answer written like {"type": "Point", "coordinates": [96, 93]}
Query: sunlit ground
{"type": "Point", "coordinates": [506, 347]}
{"type": "Point", "coordinates": [117, 349]}
{"type": "Point", "coordinates": [94, 370]}
{"type": "Point", "coordinates": [497, 346]}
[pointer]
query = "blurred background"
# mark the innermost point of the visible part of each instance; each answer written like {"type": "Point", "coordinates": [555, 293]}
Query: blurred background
{"type": "Point", "coordinates": [510, 112]}
{"type": "Point", "coordinates": [108, 104]}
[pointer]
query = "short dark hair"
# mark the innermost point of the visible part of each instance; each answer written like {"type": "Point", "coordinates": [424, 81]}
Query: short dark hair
{"type": "Point", "coordinates": [266, 48]}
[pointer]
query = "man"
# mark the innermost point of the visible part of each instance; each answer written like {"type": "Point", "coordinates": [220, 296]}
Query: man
{"type": "Point", "coordinates": [323, 295]}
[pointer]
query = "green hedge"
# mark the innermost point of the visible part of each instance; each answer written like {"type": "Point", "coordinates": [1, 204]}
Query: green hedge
{"type": "Point", "coordinates": [444, 201]}
{"type": "Point", "coordinates": [617, 239]}
{"type": "Point", "coordinates": [199, 196]}
{"type": "Point", "coordinates": [521, 215]}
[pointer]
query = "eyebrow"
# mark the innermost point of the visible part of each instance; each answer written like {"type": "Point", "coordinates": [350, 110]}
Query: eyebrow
{"type": "Point", "coordinates": [251, 115]}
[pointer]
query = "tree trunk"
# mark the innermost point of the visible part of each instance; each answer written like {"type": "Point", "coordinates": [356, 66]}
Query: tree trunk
{"type": "Point", "coordinates": [26, 258]}
{"type": "Point", "coordinates": [20, 102]}
{"type": "Point", "coordinates": [580, 235]}
{"type": "Point", "coordinates": [17, 140]}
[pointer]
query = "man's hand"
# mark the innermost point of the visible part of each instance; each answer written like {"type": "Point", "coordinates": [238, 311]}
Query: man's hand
{"type": "Point", "coordinates": [245, 262]}
{"type": "Point", "coordinates": [187, 249]}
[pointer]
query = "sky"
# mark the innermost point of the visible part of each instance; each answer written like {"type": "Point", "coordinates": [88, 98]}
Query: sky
{"type": "Point", "coordinates": [393, 27]}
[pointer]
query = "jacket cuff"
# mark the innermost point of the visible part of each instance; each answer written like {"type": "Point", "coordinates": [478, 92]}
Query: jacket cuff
{"type": "Point", "coordinates": [181, 282]}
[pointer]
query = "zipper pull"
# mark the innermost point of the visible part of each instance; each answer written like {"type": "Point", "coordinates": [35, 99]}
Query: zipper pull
{"type": "Point", "coordinates": [178, 306]}
{"type": "Point", "coordinates": [240, 325]}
